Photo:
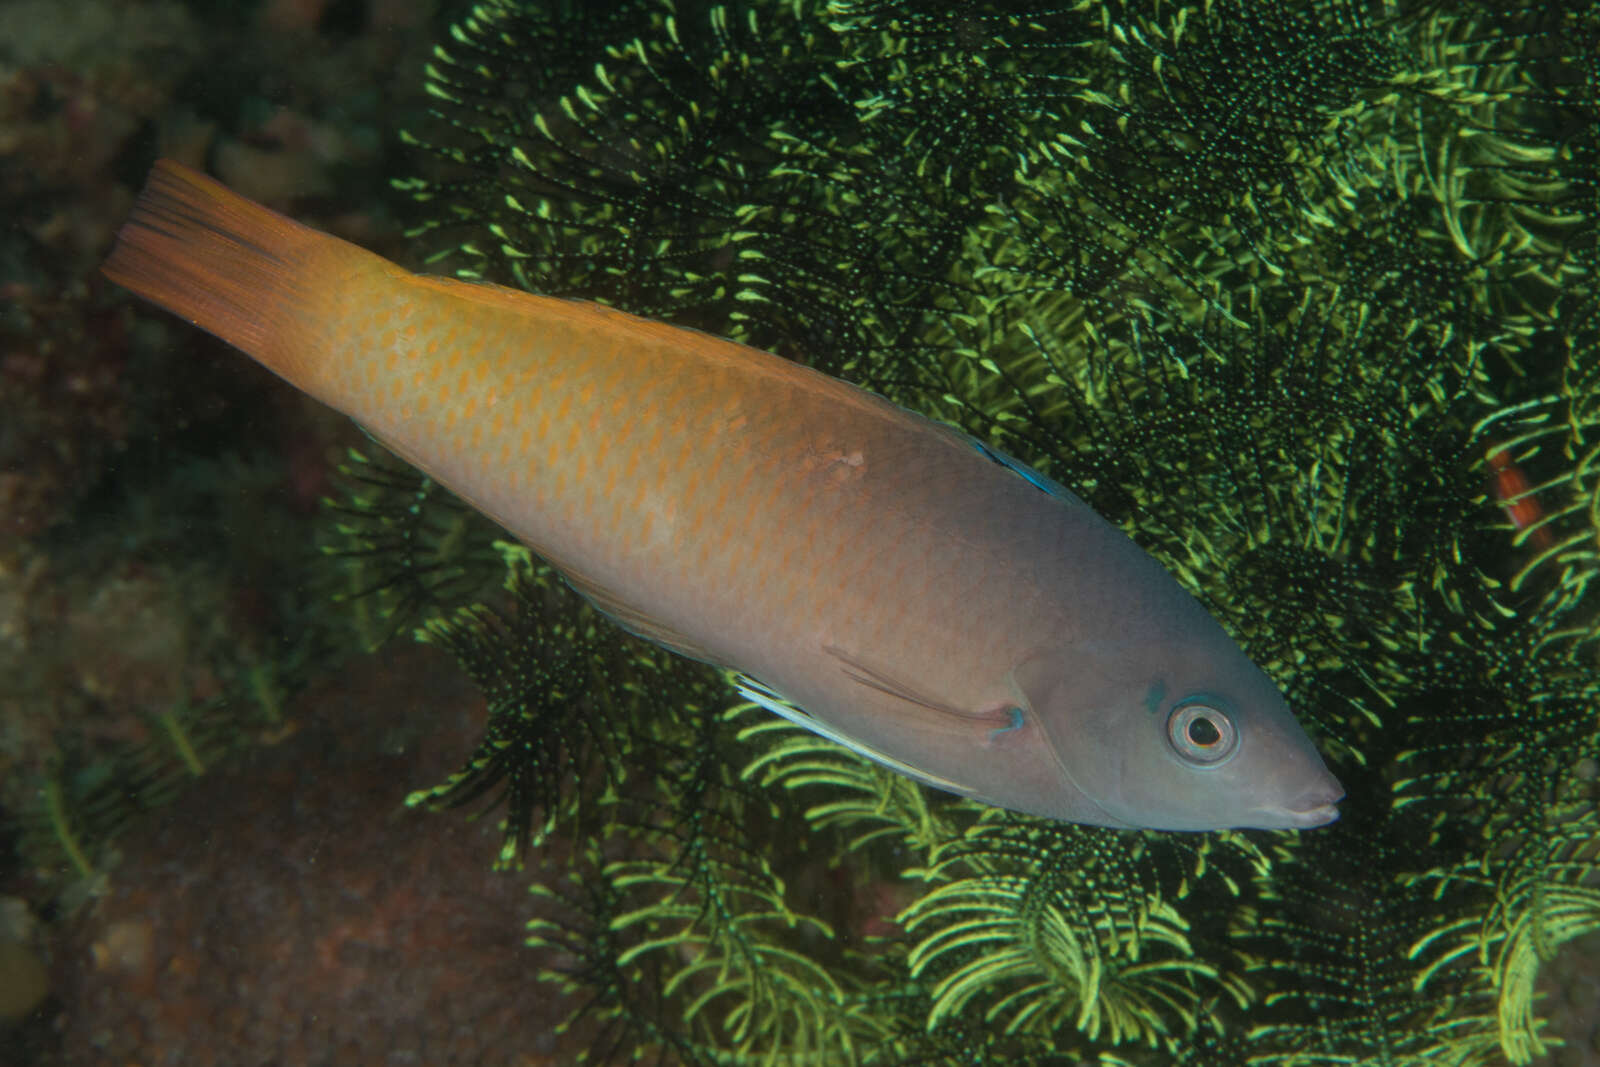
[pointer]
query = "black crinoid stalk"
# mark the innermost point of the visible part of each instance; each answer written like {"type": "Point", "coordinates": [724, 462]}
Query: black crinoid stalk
{"type": "Point", "coordinates": [1285, 290]}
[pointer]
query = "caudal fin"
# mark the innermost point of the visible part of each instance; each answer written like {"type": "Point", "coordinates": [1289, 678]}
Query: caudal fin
{"type": "Point", "coordinates": [238, 270]}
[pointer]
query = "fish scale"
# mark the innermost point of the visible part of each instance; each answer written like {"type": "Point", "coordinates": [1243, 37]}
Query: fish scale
{"type": "Point", "coordinates": [875, 576]}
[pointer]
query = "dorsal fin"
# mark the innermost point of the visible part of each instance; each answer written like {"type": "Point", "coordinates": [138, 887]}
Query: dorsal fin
{"type": "Point", "coordinates": [1028, 474]}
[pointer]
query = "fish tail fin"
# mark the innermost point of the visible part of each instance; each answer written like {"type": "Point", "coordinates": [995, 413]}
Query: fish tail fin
{"type": "Point", "coordinates": [243, 272]}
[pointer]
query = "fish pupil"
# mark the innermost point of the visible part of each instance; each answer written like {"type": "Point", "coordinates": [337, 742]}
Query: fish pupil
{"type": "Point", "coordinates": [1204, 732]}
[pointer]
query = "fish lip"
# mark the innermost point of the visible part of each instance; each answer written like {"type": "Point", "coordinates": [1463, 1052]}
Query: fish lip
{"type": "Point", "coordinates": [1309, 818]}
{"type": "Point", "coordinates": [1316, 806]}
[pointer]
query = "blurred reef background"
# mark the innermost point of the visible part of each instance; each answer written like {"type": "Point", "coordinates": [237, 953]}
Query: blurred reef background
{"type": "Point", "coordinates": [1304, 296]}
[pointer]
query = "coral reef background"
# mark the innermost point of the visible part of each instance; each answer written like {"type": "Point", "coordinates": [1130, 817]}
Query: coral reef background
{"type": "Point", "coordinates": [286, 908]}
{"type": "Point", "coordinates": [158, 500]}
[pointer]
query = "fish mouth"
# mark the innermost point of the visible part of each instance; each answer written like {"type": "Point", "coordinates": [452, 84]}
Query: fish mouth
{"type": "Point", "coordinates": [1317, 805]}
{"type": "Point", "coordinates": [1307, 818]}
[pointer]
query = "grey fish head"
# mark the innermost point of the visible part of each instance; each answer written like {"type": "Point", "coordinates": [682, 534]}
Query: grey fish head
{"type": "Point", "coordinates": [1184, 734]}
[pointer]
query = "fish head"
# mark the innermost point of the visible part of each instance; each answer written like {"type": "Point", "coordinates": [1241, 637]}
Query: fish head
{"type": "Point", "coordinates": [1181, 737]}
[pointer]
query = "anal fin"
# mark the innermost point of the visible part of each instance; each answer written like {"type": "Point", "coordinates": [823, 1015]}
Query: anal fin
{"type": "Point", "coordinates": [630, 618]}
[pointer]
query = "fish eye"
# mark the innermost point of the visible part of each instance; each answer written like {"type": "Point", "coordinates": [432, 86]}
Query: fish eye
{"type": "Point", "coordinates": [1201, 733]}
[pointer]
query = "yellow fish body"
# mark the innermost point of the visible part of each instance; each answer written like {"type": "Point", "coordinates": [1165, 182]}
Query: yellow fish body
{"type": "Point", "coordinates": [879, 577]}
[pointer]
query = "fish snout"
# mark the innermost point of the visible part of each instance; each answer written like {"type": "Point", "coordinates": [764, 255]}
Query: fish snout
{"type": "Point", "coordinates": [1317, 806]}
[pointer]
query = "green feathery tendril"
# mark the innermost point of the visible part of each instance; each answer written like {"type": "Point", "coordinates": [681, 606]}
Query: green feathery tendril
{"type": "Point", "coordinates": [552, 701]}
{"type": "Point", "coordinates": [864, 800]}
{"type": "Point", "coordinates": [1336, 962]}
{"type": "Point", "coordinates": [87, 798]}
{"type": "Point", "coordinates": [701, 945]}
{"type": "Point", "coordinates": [94, 789]}
{"type": "Point", "coordinates": [623, 1009]}
{"type": "Point", "coordinates": [408, 546]}
{"type": "Point", "coordinates": [1050, 927]}
{"type": "Point", "coordinates": [1268, 285]}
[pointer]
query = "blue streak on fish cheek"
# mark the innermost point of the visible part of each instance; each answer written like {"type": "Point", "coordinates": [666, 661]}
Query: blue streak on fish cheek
{"type": "Point", "coordinates": [1015, 724]}
{"type": "Point", "coordinates": [1155, 698]}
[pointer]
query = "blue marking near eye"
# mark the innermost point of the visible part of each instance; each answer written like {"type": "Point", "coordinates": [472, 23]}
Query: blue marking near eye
{"type": "Point", "coordinates": [1016, 723]}
{"type": "Point", "coordinates": [1155, 697]}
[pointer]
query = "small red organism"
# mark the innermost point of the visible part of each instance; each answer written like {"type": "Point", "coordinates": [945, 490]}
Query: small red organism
{"type": "Point", "coordinates": [1515, 494]}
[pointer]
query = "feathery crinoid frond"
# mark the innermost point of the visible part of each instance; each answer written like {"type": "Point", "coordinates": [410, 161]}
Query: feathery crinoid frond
{"type": "Point", "coordinates": [548, 674]}
{"type": "Point", "coordinates": [637, 159]}
{"type": "Point", "coordinates": [1056, 927]}
{"type": "Point", "coordinates": [1285, 290]}
{"type": "Point", "coordinates": [678, 931]}
{"type": "Point", "coordinates": [408, 547]}
{"type": "Point", "coordinates": [1523, 776]}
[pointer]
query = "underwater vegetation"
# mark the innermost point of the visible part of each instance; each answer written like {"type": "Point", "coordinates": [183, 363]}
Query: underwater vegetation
{"type": "Point", "coordinates": [1284, 290]}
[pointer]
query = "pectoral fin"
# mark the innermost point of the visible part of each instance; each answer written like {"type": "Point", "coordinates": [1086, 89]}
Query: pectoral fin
{"type": "Point", "coordinates": [858, 670]}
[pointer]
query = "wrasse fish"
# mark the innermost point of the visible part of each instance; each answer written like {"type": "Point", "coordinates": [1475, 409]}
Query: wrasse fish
{"type": "Point", "coordinates": [878, 577]}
